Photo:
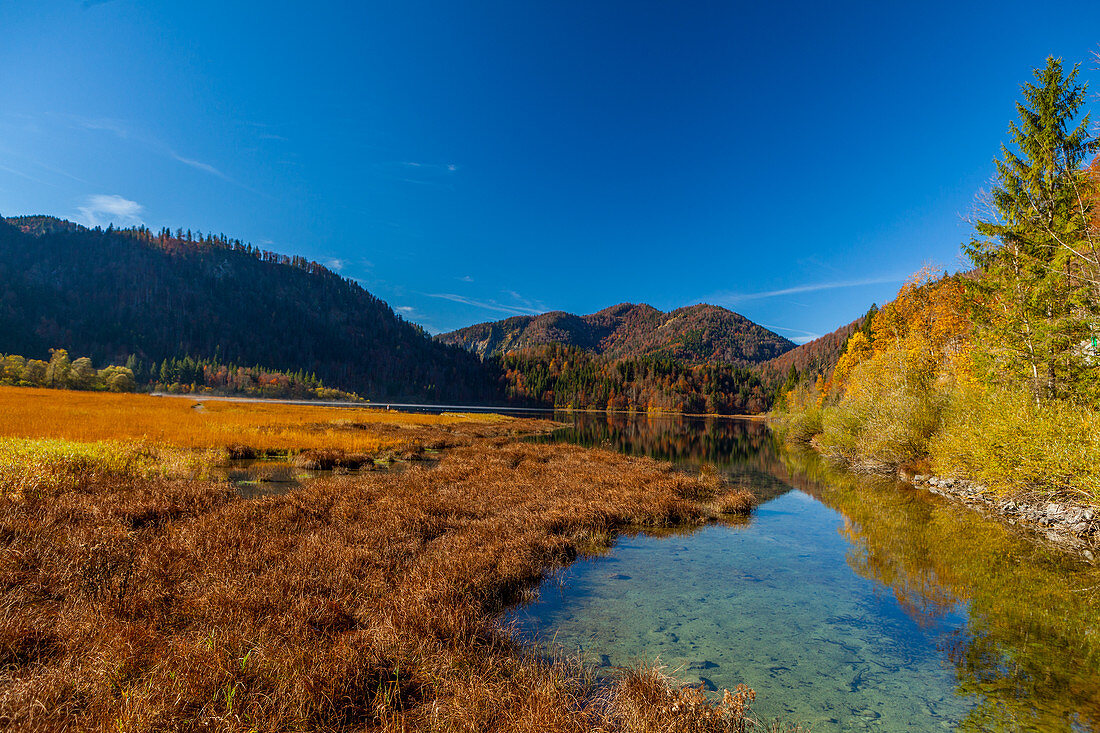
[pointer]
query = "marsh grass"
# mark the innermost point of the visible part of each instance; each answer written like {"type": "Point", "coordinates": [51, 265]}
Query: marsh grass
{"type": "Point", "coordinates": [136, 599]}
{"type": "Point", "coordinates": [247, 429]}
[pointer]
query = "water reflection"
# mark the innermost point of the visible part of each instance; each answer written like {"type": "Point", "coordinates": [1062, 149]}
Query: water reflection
{"type": "Point", "coordinates": [745, 451]}
{"type": "Point", "coordinates": [847, 602]}
{"type": "Point", "coordinates": [1029, 654]}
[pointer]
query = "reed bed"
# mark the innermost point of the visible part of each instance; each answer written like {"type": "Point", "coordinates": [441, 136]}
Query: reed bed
{"type": "Point", "coordinates": [138, 600]}
{"type": "Point", "coordinates": [246, 427]}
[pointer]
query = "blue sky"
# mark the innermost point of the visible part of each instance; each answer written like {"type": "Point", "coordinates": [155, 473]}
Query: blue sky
{"type": "Point", "coordinates": [469, 161]}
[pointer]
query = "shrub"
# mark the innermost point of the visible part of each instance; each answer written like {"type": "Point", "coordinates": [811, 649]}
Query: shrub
{"type": "Point", "coordinates": [999, 437]}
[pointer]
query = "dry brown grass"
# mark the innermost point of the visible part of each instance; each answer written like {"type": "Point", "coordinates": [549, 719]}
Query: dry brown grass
{"type": "Point", "coordinates": [148, 603]}
{"type": "Point", "coordinates": [738, 501]}
{"type": "Point", "coordinates": [246, 427]}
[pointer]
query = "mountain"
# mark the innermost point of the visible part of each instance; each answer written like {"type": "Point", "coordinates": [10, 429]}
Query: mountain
{"type": "Point", "coordinates": [813, 357]}
{"type": "Point", "coordinates": [696, 334]}
{"type": "Point", "coordinates": [111, 293]}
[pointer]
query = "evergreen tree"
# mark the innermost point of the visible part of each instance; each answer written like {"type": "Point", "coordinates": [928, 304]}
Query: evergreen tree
{"type": "Point", "coordinates": [1035, 303]}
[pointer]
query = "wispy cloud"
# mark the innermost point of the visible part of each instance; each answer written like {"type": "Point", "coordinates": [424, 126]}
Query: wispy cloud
{"type": "Point", "coordinates": [728, 297]}
{"type": "Point", "coordinates": [124, 131]}
{"type": "Point", "coordinates": [491, 305]}
{"type": "Point", "coordinates": [449, 167]}
{"type": "Point", "coordinates": [104, 209]}
{"type": "Point", "coordinates": [92, 3]}
{"type": "Point", "coordinates": [407, 309]}
{"type": "Point", "coordinates": [119, 128]}
{"type": "Point", "coordinates": [336, 264]}
{"type": "Point", "coordinates": [466, 279]}
{"type": "Point", "coordinates": [21, 174]}
{"type": "Point", "coordinates": [199, 165]}
{"type": "Point", "coordinates": [439, 175]}
{"type": "Point", "coordinates": [800, 336]}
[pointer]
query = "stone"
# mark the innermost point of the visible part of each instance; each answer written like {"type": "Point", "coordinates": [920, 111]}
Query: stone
{"type": "Point", "coordinates": [705, 664]}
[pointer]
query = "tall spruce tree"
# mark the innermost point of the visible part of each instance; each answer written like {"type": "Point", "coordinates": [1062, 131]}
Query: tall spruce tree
{"type": "Point", "coordinates": [1036, 301]}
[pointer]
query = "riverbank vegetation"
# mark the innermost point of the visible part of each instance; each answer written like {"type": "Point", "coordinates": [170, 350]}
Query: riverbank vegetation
{"type": "Point", "coordinates": [992, 375]}
{"type": "Point", "coordinates": [139, 596]}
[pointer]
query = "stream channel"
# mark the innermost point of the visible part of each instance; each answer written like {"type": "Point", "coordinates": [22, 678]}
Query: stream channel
{"type": "Point", "coordinates": [845, 602]}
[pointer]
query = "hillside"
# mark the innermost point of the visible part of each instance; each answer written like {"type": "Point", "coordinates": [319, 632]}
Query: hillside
{"type": "Point", "coordinates": [109, 294]}
{"type": "Point", "coordinates": [696, 334]}
{"type": "Point", "coordinates": [813, 357]}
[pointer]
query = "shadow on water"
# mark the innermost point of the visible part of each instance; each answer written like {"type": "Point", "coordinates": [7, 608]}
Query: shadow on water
{"type": "Point", "coordinates": [847, 602]}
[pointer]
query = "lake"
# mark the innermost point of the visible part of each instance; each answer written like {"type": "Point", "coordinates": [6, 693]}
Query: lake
{"type": "Point", "coordinates": [846, 602]}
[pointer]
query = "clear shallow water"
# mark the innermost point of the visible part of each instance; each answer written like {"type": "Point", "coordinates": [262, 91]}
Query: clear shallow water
{"type": "Point", "coordinates": [846, 604]}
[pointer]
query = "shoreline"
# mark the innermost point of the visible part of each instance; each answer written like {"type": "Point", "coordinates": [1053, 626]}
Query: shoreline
{"type": "Point", "coordinates": [479, 409]}
{"type": "Point", "coordinates": [1071, 527]}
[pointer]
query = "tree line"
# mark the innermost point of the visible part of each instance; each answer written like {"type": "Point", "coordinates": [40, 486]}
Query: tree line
{"type": "Point", "coordinates": [569, 377]}
{"type": "Point", "coordinates": [176, 375]}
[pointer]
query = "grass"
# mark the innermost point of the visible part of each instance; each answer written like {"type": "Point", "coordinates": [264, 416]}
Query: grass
{"type": "Point", "coordinates": [136, 596]}
{"type": "Point", "coordinates": [246, 427]}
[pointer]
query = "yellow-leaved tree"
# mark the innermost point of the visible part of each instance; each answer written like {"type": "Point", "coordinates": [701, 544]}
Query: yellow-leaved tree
{"type": "Point", "coordinates": [888, 391]}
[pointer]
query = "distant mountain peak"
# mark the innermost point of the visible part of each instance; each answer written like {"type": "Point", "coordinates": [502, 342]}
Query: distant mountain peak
{"type": "Point", "coordinates": [699, 333]}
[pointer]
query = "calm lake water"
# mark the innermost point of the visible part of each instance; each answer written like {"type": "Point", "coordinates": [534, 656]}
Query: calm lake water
{"type": "Point", "coordinates": [846, 603]}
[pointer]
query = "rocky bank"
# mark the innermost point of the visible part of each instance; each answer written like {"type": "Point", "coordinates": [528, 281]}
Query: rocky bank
{"type": "Point", "coordinates": [1071, 526]}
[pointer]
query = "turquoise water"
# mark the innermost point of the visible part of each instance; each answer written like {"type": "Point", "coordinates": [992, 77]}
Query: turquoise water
{"type": "Point", "coordinates": [846, 604]}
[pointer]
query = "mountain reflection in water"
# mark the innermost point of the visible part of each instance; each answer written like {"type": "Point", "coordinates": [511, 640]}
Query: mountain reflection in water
{"type": "Point", "coordinates": [850, 602]}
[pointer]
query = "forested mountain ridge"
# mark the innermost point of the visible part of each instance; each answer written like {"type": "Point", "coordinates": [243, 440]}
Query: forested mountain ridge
{"type": "Point", "coordinates": [112, 293]}
{"type": "Point", "coordinates": [697, 334]}
{"type": "Point", "coordinates": [814, 357]}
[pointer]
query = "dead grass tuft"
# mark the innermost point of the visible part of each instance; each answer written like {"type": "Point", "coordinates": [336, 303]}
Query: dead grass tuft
{"type": "Point", "coordinates": [738, 501]}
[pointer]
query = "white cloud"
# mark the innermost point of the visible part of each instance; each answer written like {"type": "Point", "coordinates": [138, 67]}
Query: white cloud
{"type": "Point", "coordinates": [466, 279]}
{"type": "Point", "coordinates": [104, 209]}
{"type": "Point", "coordinates": [21, 174]}
{"type": "Point", "coordinates": [336, 264]}
{"type": "Point", "coordinates": [423, 174]}
{"type": "Point", "coordinates": [118, 127]}
{"type": "Point", "coordinates": [123, 131]}
{"type": "Point", "coordinates": [405, 309]}
{"type": "Point", "coordinates": [726, 298]}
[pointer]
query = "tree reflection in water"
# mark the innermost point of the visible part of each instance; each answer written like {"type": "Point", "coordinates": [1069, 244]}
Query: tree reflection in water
{"type": "Point", "coordinates": [1029, 655]}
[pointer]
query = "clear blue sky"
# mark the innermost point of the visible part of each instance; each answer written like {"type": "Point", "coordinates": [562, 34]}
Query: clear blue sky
{"type": "Point", "coordinates": [468, 161]}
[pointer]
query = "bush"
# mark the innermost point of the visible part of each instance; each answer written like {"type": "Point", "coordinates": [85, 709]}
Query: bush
{"type": "Point", "coordinates": [886, 421]}
{"type": "Point", "coordinates": [999, 437]}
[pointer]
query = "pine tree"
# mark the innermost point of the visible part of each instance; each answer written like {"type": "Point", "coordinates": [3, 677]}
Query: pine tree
{"type": "Point", "coordinates": [1035, 303]}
